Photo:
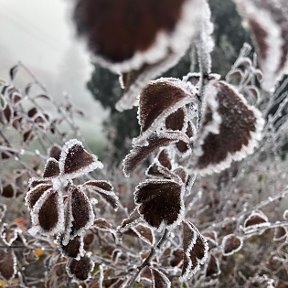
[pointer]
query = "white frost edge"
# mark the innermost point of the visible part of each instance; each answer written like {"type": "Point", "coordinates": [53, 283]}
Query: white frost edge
{"type": "Point", "coordinates": [274, 41]}
{"type": "Point", "coordinates": [246, 150]}
{"type": "Point", "coordinates": [164, 277]}
{"type": "Point", "coordinates": [175, 137]}
{"type": "Point", "coordinates": [163, 225]}
{"type": "Point", "coordinates": [275, 238]}
{"type": "Point", "coordinates": [14, 266]}
{"type": "Point", "coordinates": [65, 150]}
{"type": "Point", "coordinates": [16, 232]}
{"type": "Point", "coordinates": [217, 264]}
{"type": "Point", "coordinates": [99, 191]}
{"type": "Point", "coordinates": [140, 235]}
{"type": "Point", "coordinates": [252, 228]}
{"type": "Point", "coordinates": [35, 214]}
{"type": "Point", "coordinates": [27, 202]}
{"type": "Point", "coordinates": [130, 98]}
{"type": "Point", "coordinates": [67, 237]}
{"type": "Point", "coordinates": [234, 251]}
{"type": "Point", "coordinates": [81, 252]}
{"type": "Point", "coordinates": [50, 159]}
{"type": "Point", "coordinates": [179, 38]}
{"type": "Point", "coordinates": [88, 254]}
{"type": "Point", "coordinates": [153, 127]}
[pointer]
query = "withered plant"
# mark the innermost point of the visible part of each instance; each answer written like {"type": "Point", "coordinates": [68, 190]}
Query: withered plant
{"type": "Point", "coordinates": [209, 211]}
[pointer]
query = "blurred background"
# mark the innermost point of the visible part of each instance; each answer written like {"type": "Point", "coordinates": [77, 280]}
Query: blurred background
{"type": "Point", "coordinates": [40, 34]}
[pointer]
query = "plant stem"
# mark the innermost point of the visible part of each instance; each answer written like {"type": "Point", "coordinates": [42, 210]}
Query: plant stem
{"type": "Point", "coordinates": [148, 259]}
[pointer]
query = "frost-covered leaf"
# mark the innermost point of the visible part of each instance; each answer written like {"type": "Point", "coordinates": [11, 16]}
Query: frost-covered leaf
{"type": "Point", "coordinates": [33, 182]}
{"type": "Point", "coordinates": [9, 233]}
{"type": "Point", "coordinates": [256, 219]}
{"type": "Point", "coordinates": [230, 129]}
{"type": "Point", "coordinates": [105, 190]}
{"type": "Point", "coordinates": [74, 248]}
{"type": "Point", "coordinates": [195, 250]}
{"type": "Point", "coordinates": [176, 120]}
{"type": "Point", "coordinates": [158, 100]}
{"type": "Point", "coordinates": [268, 22]}
{"type": "Point", "coordinates": [145, 233]}
{"type": "Point", "coordinates": [146, 274]}
{"type": "Point", "coordinates": [280, 233]}
{"type": "Point", "coordinates": [164, 159]}
{"type": "Point", "coordinates": [35, 193]}
{"type": "Point", "coordinates": [80, 269]}
{"type": "Point", "coordinates": [123, 43]}
{"type": "Point", "coordinates": [157, 170]}
{"type": "Point", "coordinates": [48, 213]}
{"type": "Point", "coordinates": [212, 267]}
{"type": "Point", "coordinates": [140, 153]}
{"type": "Point", "coordinates": [51, 169]}
{"type": "Point", "coordinates": [231, 244]}
{"type": "Point", "coordinates": [79, 214]}
{"type": "Point", "coordinates": [177, 258]}
{"type": "Point", "coordinates": [181, 173]}
{"type": "Point", "coordinates": [8, 264]}
{"type": "Point", "coordinates": [159, 279]}
{"type": "Point", "coordinates": [55, 152]}
{"type": "Point", "coordinates": [160, 202]}
{"type": "Point", "coordinates": [75, 161]}
{"type": "Point", "coordinates": [133, 219]}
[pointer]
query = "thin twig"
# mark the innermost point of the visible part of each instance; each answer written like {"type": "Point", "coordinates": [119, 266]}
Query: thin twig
{"type": "Point", "coordinates": [148, 260]}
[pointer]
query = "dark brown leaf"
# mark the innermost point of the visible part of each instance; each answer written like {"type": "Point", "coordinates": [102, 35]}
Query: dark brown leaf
{"type": "Point", "coordinates": [8, 263]}
{"type": "Point", "coordinates": [231, 244]}
{"type": "Point", "coordinates": [51, 169]}
{"type": "Point", "coordinates": [80, 269]}
{"type": "Point", "coordinates": [35, 193]}
{"type": "Point", "coordinates": [160, 202]}
{"type": "Point", "coordinates": [140, 153]}
{"type": "Point", "coordinates": [75, 161]}
{"type": "Point", "coordinates": [230, 129]}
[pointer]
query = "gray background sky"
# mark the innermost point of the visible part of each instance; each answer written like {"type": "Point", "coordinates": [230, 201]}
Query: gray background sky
{"type": "Point", "coordinates": [40, 34]}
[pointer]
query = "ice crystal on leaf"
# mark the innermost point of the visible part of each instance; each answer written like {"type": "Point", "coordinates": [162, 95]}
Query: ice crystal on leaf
{"type": "Point", "coordinates": [75, 161]}
{"type": "Point", "coordinates": [8, 263]}
{"type": "Point", "coordinates": [195, 250]}
{"type": "Point", "coordinates": [231, 244]}
{"type": "Point", "coordinates": [160, 202]}
{"type": "Point", "coordinates": [230, 129]}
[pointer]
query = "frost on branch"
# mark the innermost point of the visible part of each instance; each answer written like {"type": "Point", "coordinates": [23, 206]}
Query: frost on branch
{"type": "Point", "coordinates": [160, 202]}
{"type": "Point", "coordinates": [230, 129]}
{"type": "Point", "coordinates": [268, 21]}
{"type": "Point", "coordinates": [255, 220]}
